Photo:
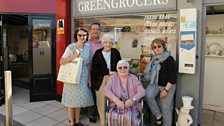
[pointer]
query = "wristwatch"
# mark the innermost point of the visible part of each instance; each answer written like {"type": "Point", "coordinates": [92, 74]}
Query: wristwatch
{"type": "Point", "coordinates": [134, 99]}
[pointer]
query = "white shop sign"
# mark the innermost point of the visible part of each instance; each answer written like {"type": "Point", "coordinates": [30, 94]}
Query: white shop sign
{"type": "Point", "coordinates": [84, 8]}
{"type": "Point", "coordinates": [187, 40]}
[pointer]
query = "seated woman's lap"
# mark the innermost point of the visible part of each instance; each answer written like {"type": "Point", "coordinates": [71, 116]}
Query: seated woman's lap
{"type": "Point", "coordinates": [130, 116]}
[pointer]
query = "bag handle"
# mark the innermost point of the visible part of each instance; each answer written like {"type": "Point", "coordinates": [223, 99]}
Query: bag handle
{"type": "Point", "coordinates": [72, 47]}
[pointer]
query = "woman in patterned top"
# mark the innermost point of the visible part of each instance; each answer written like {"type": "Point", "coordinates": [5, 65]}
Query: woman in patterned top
{"type": "Point", "coordinates": [75, 96]}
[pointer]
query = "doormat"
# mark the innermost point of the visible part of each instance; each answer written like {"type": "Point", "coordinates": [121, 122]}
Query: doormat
{"type": "Point", "coordinates": [2, 121]}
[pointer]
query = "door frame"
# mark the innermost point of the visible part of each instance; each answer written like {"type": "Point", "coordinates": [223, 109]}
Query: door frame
{"type": "Point", "coordinates": [1, 62]}
{"type": "Point", "coordinates": [205, 4]}
{"type": "Point", "coordinates": [34, 96]}
{"type": "Point", "coordinates": [4, 55]}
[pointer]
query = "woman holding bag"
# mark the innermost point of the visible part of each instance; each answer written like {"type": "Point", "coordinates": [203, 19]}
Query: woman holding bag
{"type": "Point", "coordinates": [75, 96]}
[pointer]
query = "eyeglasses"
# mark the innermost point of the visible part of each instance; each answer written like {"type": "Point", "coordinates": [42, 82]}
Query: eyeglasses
{"type": "Point", "coordinates": [80, 35]}
{"type": "Point", "coordinates": [124, 67]}
{"type": "Point", "coordinates": [155, 47]}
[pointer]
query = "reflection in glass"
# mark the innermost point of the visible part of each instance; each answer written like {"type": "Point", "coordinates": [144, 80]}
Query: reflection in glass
{"type": "Point", "coordinates": [41, 37]}
{"type": "Point", "coordinates": [134, 33]}
{"type": "Point", "coordinates": [41, 33]}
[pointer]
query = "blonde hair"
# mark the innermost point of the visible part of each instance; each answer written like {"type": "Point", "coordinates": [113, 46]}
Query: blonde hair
{"type": "Point", "coordinates": [159, 41]}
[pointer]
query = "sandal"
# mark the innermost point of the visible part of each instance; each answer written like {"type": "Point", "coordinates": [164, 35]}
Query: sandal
{"type": "Point", "coordinates": [78, 124]}
{"type": "Point", "coordinates": [158, 122]}
{"type": "Point", "coordinates": [70, 122]}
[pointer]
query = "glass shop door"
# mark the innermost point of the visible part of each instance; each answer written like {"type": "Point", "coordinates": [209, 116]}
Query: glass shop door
{"type": "Point", "coordinates": [42, 69]}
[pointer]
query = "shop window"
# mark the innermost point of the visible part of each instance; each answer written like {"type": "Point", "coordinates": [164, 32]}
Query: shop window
{"type": "Point", "coordinates": [215, 35]}
{"type": "Point", "coordinates": [134, 33]}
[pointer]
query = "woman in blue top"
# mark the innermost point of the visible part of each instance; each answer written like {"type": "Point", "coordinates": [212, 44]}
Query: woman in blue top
{"type": "Point", "coordinates": [75, 96]}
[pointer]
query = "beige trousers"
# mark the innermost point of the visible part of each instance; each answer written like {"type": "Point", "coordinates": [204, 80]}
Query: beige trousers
{"type": "Point", "coordinates": [101, 101]}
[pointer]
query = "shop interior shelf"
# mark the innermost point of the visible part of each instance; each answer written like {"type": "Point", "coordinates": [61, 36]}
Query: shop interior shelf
{"type": "Point", "coordinates": [214, 56]}
{"type": "Point", "coordinates": [214, 35]}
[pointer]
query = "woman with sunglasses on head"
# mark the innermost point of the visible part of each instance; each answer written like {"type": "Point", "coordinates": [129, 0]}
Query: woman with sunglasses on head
{"type": "Point", "coordinates": [124, 91]}
{"type": "Point", "coordinates": [162, 75]}
{"type": "Point", "coordinates": [75, 96]}
{"type": "Point", "coordinates": [104, 64]}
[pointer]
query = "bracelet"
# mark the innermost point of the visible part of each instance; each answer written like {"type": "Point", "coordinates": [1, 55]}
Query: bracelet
{"type": "Point", "coordinates": [166, 90]}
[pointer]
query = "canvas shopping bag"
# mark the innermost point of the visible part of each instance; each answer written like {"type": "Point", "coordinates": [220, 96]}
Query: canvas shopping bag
{"type": "Point", "coordinates": [71, 72]}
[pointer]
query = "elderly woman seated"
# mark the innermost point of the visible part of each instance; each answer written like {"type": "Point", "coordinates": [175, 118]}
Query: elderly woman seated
{"type": "Point", "coordinates": [124, 91]}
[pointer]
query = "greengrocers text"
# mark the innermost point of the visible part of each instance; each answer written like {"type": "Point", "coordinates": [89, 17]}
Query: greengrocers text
{"type": "Point", "coordinates": [93, 5]}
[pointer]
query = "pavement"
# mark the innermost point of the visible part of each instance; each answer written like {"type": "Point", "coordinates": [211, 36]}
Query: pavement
{"type": "Point", "coordinates": [45, 113]}
{"type": "Point", "coordinates": [53, 113]}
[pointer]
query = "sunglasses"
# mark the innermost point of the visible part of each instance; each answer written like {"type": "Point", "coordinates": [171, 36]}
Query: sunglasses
{"type": "Point", "coordinates": [155, 47]}
{"type": "Point", "coordinates": [124, 67]}
{"type": "Point", "coordinates": [80, 35]}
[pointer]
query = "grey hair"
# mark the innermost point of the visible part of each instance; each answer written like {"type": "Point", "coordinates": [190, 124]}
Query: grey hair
{"type": "Point", "coordinates": [125, 62]}
{"type": "Point", "coordinates": [108, 36]}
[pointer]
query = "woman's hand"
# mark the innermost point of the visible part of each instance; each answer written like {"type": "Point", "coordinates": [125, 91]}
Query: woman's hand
{"type": "Point", "coordinates": [70, 58]}
{"type": "Point", "coordinates": [129, 103]}
{"type": "Point", "coordinates": [75, 54]}
{"type": "Point", "coordinates": [111, 72]}
{"type": "Point", "coordinates": [120, 104]}
{"type": "Point", "coordinates": [89, 83]}
{"type": "Point", "coordinates": [163, 93]}
{"type": "Point", "coordinates": [166, 89]}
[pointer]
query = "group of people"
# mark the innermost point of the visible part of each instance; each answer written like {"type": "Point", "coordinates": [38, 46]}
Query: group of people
{"type": "Point", "coordinates": [104, 73]}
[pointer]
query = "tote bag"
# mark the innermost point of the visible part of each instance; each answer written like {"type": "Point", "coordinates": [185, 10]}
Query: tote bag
{"type": "Point", "coordinates": [71, 72]}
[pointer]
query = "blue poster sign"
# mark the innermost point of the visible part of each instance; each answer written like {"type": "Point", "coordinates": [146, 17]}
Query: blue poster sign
{"type": "Point", "coordinates": [187, 40]}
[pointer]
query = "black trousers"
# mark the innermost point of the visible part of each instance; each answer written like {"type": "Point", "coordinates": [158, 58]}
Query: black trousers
{"type": "Point", "coordinates": [92, 110]}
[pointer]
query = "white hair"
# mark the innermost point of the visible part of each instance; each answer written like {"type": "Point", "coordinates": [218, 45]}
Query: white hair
{"type": "Point", "coordinates": [108, 36]}
{"type": "Point", "coordinates": [125, 62]}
